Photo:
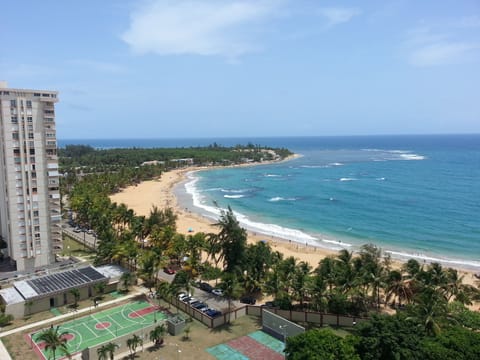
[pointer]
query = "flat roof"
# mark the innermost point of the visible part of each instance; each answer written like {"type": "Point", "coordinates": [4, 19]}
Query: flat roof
{"type": "Point", "coordinates": [58, 282]}
{"type": "Point", "coordinates": [11, 296]}
{"type": "Point", "coordinates": [111, 271]}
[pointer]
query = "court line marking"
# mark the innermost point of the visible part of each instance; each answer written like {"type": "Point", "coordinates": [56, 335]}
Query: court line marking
{"type": "Point", "coordinates": [93, 317]}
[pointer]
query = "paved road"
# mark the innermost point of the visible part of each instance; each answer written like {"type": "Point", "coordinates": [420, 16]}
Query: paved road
{"type": "Point", "coordinates": [83, 237]}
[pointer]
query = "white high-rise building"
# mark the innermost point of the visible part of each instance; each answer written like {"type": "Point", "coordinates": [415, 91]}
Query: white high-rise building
{"type": "Point", "coordinates": [30, 218]}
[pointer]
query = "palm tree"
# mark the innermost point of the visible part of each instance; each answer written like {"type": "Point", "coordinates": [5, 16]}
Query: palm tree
{"type": "Point", "coordinates": [54, 340]}
{"type": "Point", "coordinates": [166, 290]}
{"type": "Point", "coordinates": [28, 305]}
{"type": "Point", "coordinates": [398, 288]}
{"type": "Point", "coordinates": [76, 296]}
{"type": "Point", "coordinates": [133, 343]}
{"type": "Point", "coordinates": [301, 281]}
{"type": "Point", "coordinates": [156, 335]}
{"type": "Point", "coordinates": [107, 351]}
{"type": "Point", "coordinates": [100, 288]}
{"type": "Point", "coordinates": [231, 289]}
{"type": "Point", "coordinates": [126, 279]}
{"type": "Point", "coordinates": [233, 240]}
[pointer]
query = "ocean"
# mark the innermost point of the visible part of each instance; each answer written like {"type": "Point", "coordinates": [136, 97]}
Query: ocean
{"type": "Point", "coordinates": [413, 196]}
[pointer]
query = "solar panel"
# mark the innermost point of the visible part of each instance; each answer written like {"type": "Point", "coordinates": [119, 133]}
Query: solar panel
{"type": "Point", "coordinates": [65, 280]}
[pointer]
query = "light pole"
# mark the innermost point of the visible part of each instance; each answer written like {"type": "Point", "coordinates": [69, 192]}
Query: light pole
{"type": "Point", "coordinates": [178, 352]}
{"type": "Point", "coordinates": [284, 331]}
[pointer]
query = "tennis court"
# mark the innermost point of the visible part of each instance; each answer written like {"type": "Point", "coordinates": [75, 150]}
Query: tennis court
{"type": "Point", "coordinates": [255, 346]}
{"type": "Point", "coordinates": [102, 327]}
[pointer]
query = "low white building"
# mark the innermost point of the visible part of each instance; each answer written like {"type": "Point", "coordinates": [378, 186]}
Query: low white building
{"type": "Point", "coordinates": [41, 293]}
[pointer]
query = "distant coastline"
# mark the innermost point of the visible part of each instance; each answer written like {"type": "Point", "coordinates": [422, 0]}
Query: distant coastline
{"type": "Point", "coordinates": [420, 147]}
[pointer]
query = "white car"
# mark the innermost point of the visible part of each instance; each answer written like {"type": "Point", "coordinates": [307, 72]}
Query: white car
{"type": "Point", "coordinates": [182, 296]}
{"type": "Point", "coordinates": [218, 292]}
{"type": "Point", "coordinates": [192, 300]}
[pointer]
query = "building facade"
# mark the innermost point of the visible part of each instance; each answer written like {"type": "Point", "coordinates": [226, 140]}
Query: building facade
{"type": "Point", "coordinates": [30, 217]}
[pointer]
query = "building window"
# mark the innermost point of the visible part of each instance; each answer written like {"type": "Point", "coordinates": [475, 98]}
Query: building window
{"type": "Point", "coordinates": [13, 103]}
{"type": "Point", "coordinates": [29, 119]}
{"type": "Point", "coordinates": [35, 213]}
{"type": "Point", "coordinates": [14, 120]}
{"type": "Point", "coordinates": [30, 135]}
{"type": "Point", "coordinates": [15, 136]}
{"type": "Point", "coordinates": [29, 103]}
{"type": "Point", "coordinates": [37, 228]}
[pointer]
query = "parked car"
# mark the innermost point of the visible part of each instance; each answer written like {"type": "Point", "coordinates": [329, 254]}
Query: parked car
{"type": "Point", "coordinates": [269, 304]}
{"type": "Point", "coordinates": [192, 300]}
{"type": "Point", "coordinates": [200, 305]}
{"type": "Point", "coordinates": [206, 287]}
{"type": "Point", "coordinates": [213, 313]}
{"type": "Point", "coordinates": [168, 270]}
{"type": "Point", "coordinates": [186, 299]}
{"type": "Point", "coordinates": [218, 292]}
{"type": "Point", "coordinates": [250, 300]}
{"type": "Point", "coordinates": [77, 230]}
{"type": "Point", "coordinates": [196, 302]}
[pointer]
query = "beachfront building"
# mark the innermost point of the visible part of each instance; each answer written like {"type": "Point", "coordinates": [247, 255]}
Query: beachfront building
{"type": "Point", "coordinates": [29, 181]}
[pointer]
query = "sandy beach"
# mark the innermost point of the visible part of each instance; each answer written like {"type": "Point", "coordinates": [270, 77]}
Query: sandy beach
{"type": "Point", "coordinates": [160, 193]}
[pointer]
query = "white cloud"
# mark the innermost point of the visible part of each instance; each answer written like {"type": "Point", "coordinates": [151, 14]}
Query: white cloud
{"type": "Point", "coordinates": [339, 15]}
{"type": "Point", "coordinates": [197, 27]}
{"type": "Point", "coordinates": [443, 53]}
{"type": "Point", "coordinates": [429, 47]}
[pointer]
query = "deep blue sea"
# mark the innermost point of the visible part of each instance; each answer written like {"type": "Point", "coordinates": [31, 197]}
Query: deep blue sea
{"type": "Point", "coordinates": [414, 196]}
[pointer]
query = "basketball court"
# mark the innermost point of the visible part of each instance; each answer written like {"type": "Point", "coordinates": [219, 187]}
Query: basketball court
{"type": "Point", "coordinates": [101, 327]}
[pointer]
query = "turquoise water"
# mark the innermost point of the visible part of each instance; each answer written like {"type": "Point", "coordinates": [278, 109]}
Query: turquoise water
{"type": "Point", "coordinates": [414, 196]}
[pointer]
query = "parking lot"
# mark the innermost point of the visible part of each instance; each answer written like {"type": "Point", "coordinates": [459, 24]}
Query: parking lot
{"type": "Point", "coordinates": [212, 300]}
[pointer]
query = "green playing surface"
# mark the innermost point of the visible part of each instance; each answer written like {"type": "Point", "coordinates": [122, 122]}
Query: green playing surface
{"type": "Point", "coordinates": [101, 327]}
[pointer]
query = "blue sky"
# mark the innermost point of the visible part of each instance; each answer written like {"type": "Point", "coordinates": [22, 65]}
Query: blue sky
{"type": "Point", "coordinates": [233, 68]}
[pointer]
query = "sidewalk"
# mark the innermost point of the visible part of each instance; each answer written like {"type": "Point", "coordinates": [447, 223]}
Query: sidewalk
{"type": "Point", "coordinates": [3, 351]}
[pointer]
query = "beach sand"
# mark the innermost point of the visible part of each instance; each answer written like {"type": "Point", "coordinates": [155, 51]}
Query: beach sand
{"type": "Point", "coordinates": [142, 197]}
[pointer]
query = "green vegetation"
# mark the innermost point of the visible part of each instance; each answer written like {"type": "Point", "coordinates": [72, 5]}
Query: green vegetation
{"type": "Point", "coordinates": [80, 155]}
{"type": "Point", "coordinates": [431, 318]}
{"type": "Point", "coordinates": [54, 340]}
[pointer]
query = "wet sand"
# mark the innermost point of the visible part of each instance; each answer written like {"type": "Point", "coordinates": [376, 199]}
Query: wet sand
{"type": "Point", "coordinates": [141, 198]}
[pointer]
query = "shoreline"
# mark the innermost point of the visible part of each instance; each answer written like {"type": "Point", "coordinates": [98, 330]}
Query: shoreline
{"type": "Point", "coordinates": [160, 192]}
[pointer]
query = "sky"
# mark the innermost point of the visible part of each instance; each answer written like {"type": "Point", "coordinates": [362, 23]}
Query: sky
{"type": "Point", "coordinates": [245, 68]}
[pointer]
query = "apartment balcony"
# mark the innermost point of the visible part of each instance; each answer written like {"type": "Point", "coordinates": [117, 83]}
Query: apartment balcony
{"type": "Point", "coordinates": [56, 218]}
